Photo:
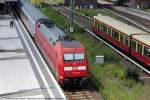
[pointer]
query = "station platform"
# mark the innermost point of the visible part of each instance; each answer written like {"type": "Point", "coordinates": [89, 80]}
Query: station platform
{"type": "Point", "coordinates": [21, 76]}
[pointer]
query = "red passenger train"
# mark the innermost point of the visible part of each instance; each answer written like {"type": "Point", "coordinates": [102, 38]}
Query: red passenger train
{"type": "Point", "coordinates": [65, 56]}
{"type": "Point", "coordinates": [132, 41]}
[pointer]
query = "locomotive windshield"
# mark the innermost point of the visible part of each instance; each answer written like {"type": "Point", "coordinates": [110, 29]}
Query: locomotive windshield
{"type": "Point", "coordinates": [78, 56]}
{"type": "Point", "coordinates": [68, 57]}
{"type": "Point", "coordinates": [73, 56]}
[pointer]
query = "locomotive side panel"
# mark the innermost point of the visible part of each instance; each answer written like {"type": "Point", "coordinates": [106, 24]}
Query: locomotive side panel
{"type": "Point", "coordinates": [31, 15]}
{"type": "Point", "coordinates": [47, 50]}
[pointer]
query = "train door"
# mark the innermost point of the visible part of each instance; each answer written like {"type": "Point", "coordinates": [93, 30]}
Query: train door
{"type": "Point", "coordinates": [2, 10]}
{"type": "Point", "coordinates": [1, 6]}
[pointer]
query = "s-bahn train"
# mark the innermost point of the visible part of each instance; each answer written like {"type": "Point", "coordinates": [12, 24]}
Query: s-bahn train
{"type": "Point", "coordinates": [132, 41]}
{"type": "Point", "coordinates": [66, 57]}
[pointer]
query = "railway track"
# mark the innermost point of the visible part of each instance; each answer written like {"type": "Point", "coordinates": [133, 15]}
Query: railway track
{"type": "Point", "coordinates": [79, 95]}
{"type": "Point", "coordinates": [86, 22]}
{"type": "Point", "coordinates": [134, 17]}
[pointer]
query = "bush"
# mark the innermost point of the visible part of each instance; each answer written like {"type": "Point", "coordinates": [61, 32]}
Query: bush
{"type": "Point", "coordinates": [132, 73]}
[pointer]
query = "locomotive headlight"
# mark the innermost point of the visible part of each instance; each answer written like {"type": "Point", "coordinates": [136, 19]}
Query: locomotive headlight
{"type": "Point", "coordinates": [81, 67]}
{"type": "Point", "coordinates": [67, 68]}
{"type": "Point", "coordinates": [60, 77]}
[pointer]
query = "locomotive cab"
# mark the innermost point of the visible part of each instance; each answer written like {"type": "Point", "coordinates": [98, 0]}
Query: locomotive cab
{"type": "Point", "coordinates": [75, 66]}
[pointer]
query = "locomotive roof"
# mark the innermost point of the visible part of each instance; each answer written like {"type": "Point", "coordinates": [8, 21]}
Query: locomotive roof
{"type": "Point", "coordinates": [118, 25]}
{"type": "Point", "coordinates": [54, 34]}
{"type": "Point", "coordinates": [71, 44]}
{"type": "Point", "coordinates": [144, 38]}
{"type": "Point", "coordinates": [32, 13]}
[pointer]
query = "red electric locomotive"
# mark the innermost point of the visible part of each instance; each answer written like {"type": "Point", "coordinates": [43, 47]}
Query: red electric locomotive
{"type": "Point", "coordinates": [65, 56]}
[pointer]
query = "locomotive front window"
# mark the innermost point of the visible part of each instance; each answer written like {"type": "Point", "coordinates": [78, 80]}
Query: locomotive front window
{"type": "Point", "coordinates": [79, 56]}
{"type": "Point", "coordinates": [68, 57]}
{"type": "Point", "coordinates": [73, 56]}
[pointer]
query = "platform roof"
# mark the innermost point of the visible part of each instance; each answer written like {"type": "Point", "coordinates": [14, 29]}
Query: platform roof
{"type": "Point", "coordinates": [1, 1]}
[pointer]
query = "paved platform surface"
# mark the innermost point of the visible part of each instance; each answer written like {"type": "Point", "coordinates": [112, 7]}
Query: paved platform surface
{"type": "Point", "coordinates": [18, 77]}
{"type": "Point", "coordinates": [16, 73]}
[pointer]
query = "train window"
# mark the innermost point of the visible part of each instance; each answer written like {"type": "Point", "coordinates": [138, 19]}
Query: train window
{"type": "Point", "coordinates": [79, 56]}
{"type": "Point", "coordinates": [139, 48]}
{"type": "Point", "coordinates": [98, 27]}
{"type": "Point", "coordinates": [94, 22]}
{"type": "Point", "coordinates": [73, 56]}
{"type": "Point", "coordinates": [133, 44]}
{"type": "Point", "coordinates": [109, 31]}
{"type": "Point", "coordinates": [127, 41]}
{"type": "Point", "coordinates": [115, 35]}
{"type": "Point", "coordinates": [121, 38]}
{"type": "Point", "coordinates": [147, 51]}
{"type": "Point", "coordinates": [68, 57]}
{"type": "Point", "coordinates": [104, 28]}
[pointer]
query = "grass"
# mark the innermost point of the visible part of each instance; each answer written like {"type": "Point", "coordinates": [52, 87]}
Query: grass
{"type": "Point", "coordinates": [147, 10]}
{"type": "Point", "coordinates": [110, 76]}
{"type": "Point", "coordinates": [144, 9]}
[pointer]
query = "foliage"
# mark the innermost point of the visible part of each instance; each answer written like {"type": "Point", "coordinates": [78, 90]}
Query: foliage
{"type": "Point", "coordinates": [55, 1]}
{"type": "Point", "coordinates": [37, 2]}
{"type": "Point", "coordinates": [132, 73]}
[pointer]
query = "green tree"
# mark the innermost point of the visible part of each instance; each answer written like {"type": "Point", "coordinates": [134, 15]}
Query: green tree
{"type": "Point", "coordinates": [37, 2]}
